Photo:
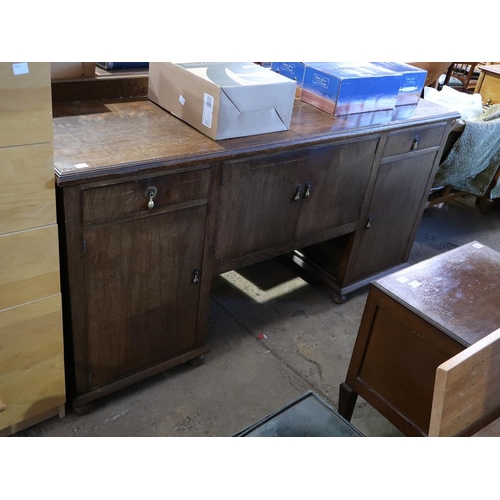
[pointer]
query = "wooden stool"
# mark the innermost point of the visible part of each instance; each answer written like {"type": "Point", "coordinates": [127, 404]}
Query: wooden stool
{"type": "Point", "coordinates": [414, 320]}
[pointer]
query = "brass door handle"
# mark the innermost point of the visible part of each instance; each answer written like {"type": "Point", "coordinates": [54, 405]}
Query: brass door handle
{"type": "Point", "coordinates": [2, 407]}
{"type": "Point", "coordinates": [298, 192]}
{"type": "Point", "coordinates": [196, 276]}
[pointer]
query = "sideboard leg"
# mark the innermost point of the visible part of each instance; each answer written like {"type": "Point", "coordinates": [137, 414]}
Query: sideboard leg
{"type": "Point", "coordinates": [338, 298]}
{"type": "Point", "coordinates": [197, 361]}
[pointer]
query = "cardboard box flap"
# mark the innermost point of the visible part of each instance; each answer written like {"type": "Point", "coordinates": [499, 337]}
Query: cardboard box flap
{"type": "Point", "coordinates": [254, 98]}
{"type": "Point", "coordinates": [250, 123]}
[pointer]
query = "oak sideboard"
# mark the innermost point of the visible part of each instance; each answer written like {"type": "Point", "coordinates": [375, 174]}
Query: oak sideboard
{"type": "Point", "coordinates": [150, 210]}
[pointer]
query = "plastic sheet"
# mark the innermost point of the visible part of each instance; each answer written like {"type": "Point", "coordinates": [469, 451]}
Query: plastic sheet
{"type": "Point", "coordinates": [468, 105]}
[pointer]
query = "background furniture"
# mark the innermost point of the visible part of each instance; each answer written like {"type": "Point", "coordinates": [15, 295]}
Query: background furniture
{"type": "Point", "coordinates": [434, 71]}
{"type": "Point", "coordinates": [151, 209]}
{"type": "Point", "coordinates": [465, 402]}
{"type": "Point", "coordinates": [31, 340]}
{"type": "Point", "coordinates": [488, 84]}
{"type": "Point", "coordinates": [415, 320]}
{"type": "Point", "coordinates": [462, 76]}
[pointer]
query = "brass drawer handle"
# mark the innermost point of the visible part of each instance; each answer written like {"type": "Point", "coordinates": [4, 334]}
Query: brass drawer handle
{"type": "Point", "coordinates": [307, 194]}
{"type": "Point", "coordinates": [414, 144]}
{"type": "Point", "coordinates": [369, 221]}
{"type": "Point", "coordinates": [2, 407]}
{"type": "Point", "coordinates": [151, 193]}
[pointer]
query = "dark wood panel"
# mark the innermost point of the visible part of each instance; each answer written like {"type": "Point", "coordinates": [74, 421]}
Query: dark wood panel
{"type": "Point", "coordinates": [415, 139]}
{"type": "Point", "coordinates": [402, 363]}
{"type": "Point", "coordinates": [393, 216]}
{"type": "Point", "coordinates": [259, 206]}
{"type": "Point", "coordinates": [337, 177]}
{"type": "Point", "coordinates": [394, 362]}
{"type": "Point", "coordinates": [131, 197]}
{"type": "Point", "coordinates": [142, 303]}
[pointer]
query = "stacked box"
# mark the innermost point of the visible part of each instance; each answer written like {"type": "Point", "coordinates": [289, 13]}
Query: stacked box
{"type": "Point", "coordinates": [223, 99]}
{"type": "Point", "coordinates": [347, 88]}
{"type": "Point", "coordinates": [412, 81]}
{"type": "Point", "coordinates": [292, 70]}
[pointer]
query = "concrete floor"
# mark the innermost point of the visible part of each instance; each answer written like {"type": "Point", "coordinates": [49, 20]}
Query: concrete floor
{"type": "Point", "coordinates": [272, 337]}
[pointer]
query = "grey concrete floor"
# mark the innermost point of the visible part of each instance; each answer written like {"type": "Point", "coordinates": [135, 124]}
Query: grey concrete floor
{"type": "Point", "coordinates": [272, 337]}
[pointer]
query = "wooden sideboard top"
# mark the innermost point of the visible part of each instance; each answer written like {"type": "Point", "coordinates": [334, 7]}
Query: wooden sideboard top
{"type": "Point", "coordinates": [97, 139]}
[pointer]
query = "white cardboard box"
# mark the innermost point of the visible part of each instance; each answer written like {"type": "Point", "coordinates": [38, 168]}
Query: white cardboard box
{"type": "Point", "coordinates": [223, 99]}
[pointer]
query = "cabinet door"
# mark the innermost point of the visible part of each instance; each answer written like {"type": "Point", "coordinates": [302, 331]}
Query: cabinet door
{"type": "Point", "coordinates": [335, 183]}
{"type": "Point", "coordinates": [257, 208]}
{"type": "Point", "coordinates": [142, 303]}
{"type": "Point", "coordinates": [393, 216]}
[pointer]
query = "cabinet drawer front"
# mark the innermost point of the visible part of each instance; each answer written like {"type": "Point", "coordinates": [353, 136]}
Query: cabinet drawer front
{"type": "Point", "coordinates": [26, 103]}
{"type": "Point", "coordinates": [29, 267]}
{"type": "Point", "coordinates": [490, 89]}
{"type": "Point", "coordinates": [130, 197]}
{"type": "Point", "coordinates": [27, 187]}
{"type": "Point", "coordinates": [415, 139]}
{"type": "Point", "coordinates": [31, 360]}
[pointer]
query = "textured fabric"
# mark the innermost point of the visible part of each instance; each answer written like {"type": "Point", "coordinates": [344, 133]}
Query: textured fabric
{"type": "Point", "coordinates": [475, 157]}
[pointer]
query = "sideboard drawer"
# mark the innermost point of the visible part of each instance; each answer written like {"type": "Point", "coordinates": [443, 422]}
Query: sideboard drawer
{"type": "Point", "coordinates": [133, 197]}
{"type": "Point", "coordinates": [414, 139]}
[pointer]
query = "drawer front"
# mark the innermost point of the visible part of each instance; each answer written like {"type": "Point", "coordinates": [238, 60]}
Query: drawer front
{"type": "Point", "coordinates": [416, 139]}
{"type": "Point", "coordinates": [130, 197]}
{"type": "Point", "coordinates": [27, 187]}
{"type": "Point", "coordinates": [25, 103]}
{"type": "Point", "coordinates": [31, 360]}
{"type": "Point", "coordinates": [29, 267]}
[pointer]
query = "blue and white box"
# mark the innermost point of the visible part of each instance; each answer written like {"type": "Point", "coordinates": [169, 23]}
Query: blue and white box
{"type": "Point", "coordinates": [412, 81]}
{"type": "Point", "coordinates": [292, 70]}
{"type": "Point", "coordinates": [342, 88]}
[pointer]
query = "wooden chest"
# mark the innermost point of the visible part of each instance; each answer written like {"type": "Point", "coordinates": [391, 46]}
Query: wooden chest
{"type": "Point", "coordinates": [413, 321]}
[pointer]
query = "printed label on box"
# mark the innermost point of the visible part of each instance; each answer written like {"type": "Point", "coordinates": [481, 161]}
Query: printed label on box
{"type": "Point", "coordinates": [208, 110]}
{"type": "Point", "coordinates": [320, 81]}
{"type": "Point", "coordinates": [20, 68]}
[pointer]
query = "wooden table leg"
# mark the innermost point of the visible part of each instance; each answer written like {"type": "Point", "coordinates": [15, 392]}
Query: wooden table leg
{"type": "Point", "coordinates": [347, 401]}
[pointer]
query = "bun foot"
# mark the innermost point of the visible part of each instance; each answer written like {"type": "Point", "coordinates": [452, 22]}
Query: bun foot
{"type": "Point", "coordinates": [197, 361]}
{"type": "Point", "coordinates": [339, 299]}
